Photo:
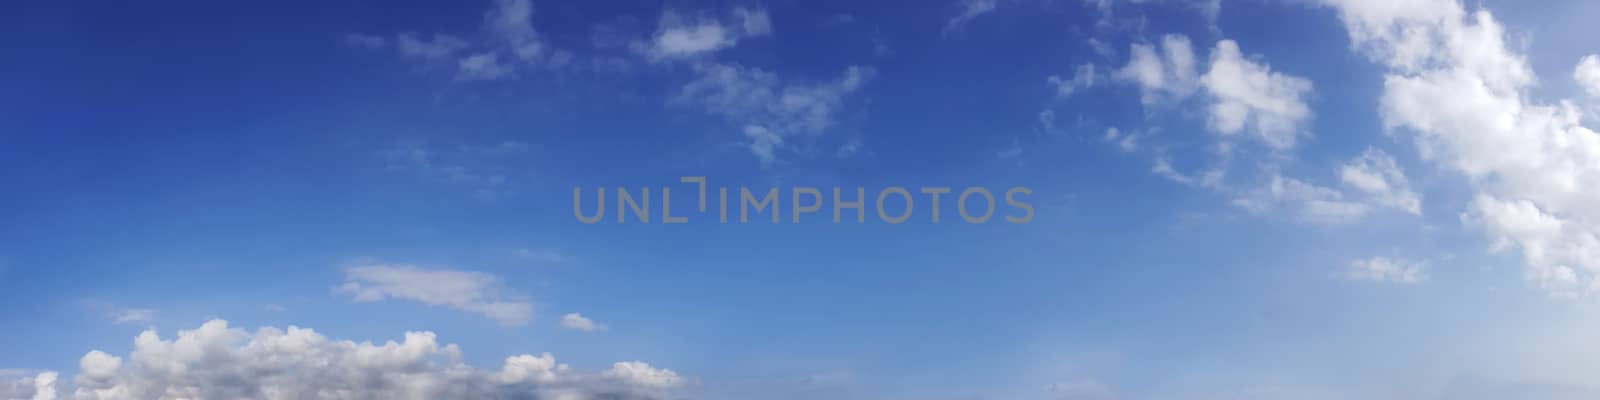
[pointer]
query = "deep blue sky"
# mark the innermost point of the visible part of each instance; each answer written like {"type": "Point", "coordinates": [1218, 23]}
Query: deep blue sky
{"type": "Point", "coordinates": [167, 164]}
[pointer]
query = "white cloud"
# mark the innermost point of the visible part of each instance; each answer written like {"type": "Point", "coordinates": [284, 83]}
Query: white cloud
{"type": "Point", "coordinates": [969, 9]}
{"type": "Point", "coordinates": [1386, 270]}
{"type": "Point", "coordinates": [1081, 79]}
{"type": "Point", "coordinates": [1587, 73]}
{"type": "Point", "coordinates": [1559, 253]}
{"type": "Point", "coordinates": [365, 41]}
{"type": "Point", "coordinates": [1251, 96]}
{"type": "Point", "coordinates": [119, 314]}
{"type": "Point", "coordinates": [481, 167]}
{"type": "Point", "coordinates": [1083, 389]}
{"type": "Point", "coordinates": [681, 35]}
{"type": "Point", "coordinates": [28, 385]}
{"type": "Point", "coordinates": [1372, 182]}
{"type": "Point", "coordinates": [132, 315]}
{"type": "Point", "coordinates": [1456, 88]}
{"type": "Point", "coordinates": [1377, 175]}
{"type": "Point", "coordinates": [763, 143]}
{"type": "Point", "coordinates": [1310, 202]}
{"type": "Point", "coordinates": [472, 292]}
{"type": "Point", "coordinates": [483, 66]}
{"type": "Point", "coordinates": [850, 148]}
{"type": "Point", "coordinates": [769, 109]}
{"type": "Point", "coordinates": [1012, 151]}
{"type": "Point", "coordinates": [542, 256]}
{"type": "Point", "coordinates": [1161, 77]}
{"type": "Point", "coordinates": [1127, 142]}
{"type": "Point", "coordinates": [507, 41]}
{"type": "Point", "coordinates": [511, 28]}
{"type": "Point", "coordinates": [576, 321]}
{"type": "Point", "coordinates": [440, 47]}
{"type": "Point", "coordinates": [216, 361]}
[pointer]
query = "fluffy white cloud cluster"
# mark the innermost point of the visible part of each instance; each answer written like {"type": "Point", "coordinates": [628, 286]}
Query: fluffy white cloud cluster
{"type": "Point", "coordinates": [27, 385]}
{"type": "Point", "coordinates": [216, 361]}
{"type": "Point", "coordinates": [1162, 77]}
{"type": "Point", "coordinates": [1387, 270]}
{"type": "Point", "coordinates": [1251, 95]}
{"type": "Point", "coordinates": [1587, 73]}
{"type": "Point", "coordinates": [1455, 86]}
{"type": "Point", "coordinates": [468, 291]}
{"type": "Point", "coordinates": [770, 109]}
{"type": "Point", "coordinates": [1243, 95]}
{"type": "Point", "coordinates": [1244, 98]}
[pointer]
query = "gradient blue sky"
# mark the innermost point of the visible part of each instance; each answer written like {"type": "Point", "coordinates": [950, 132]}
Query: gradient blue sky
{"type": "Point", "coordinates": [1332, 199]}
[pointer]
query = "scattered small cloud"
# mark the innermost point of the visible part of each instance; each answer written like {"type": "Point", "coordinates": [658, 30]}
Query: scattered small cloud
{"type": "Point", "coordinates": [1083, 78]}
{"type": "Point", "coordinates": [542, 256]}
{"type": "Point", "coordinates": [1587, 74]}
{"type": "Point", "coordinates": [504, 44]}
{"type": "Point", "coordinates": [1249, 96]}
{"type": "Point", "coordinates": [481, 168]}
{"type": "Point", "coordinates": [1387, 270]}
{"type": "Point", "coordinates": [467, 291]}
{"type": "Point", "coordinates": [969, 9]}
{"type": "Point", "coordinates": [684, 35]}
{"type": "Point", "coordinates": [578, 322]}
{"type": "Point", "coordinates": [770, 110]}
{"type": "Point", "coordinates": [121, 315]}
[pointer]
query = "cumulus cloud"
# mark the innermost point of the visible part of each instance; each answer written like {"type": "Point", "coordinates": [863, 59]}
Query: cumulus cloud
{"type": "Point", "coordinates": [1461, 94]}
{"type": "Point", "coordinates": [769, 109]}
{"type": "Point", "coordinates": [1162, 77]}
{"type": "Point", "coordinates": [576, 321]}
{"type": "Point", "coordinates": [1587, 73]}
{"type": "Point", "coordinates": [468, 291]}
{"type": "Point", "coordinates": [216, 361]}
{"type": "Point", "coordinates": [681, 35]}
{"type": "Point", "coordinates": [1387, 270]}
{"type": "Point", "coordinates": [28, 385]}
{"type": "Point", "coordinates": [1250, 96]}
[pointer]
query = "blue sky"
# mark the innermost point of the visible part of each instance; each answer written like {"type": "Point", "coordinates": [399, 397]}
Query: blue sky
{"type": "Point", "coordinates": [1323, 199]}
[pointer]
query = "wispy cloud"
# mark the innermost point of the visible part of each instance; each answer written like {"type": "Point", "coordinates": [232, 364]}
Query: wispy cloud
{"type": "Point", "coordinates": [482, 168]}
{"type": "Point", "coordinates": [1387, 270]}
{"type": "Point", "coordinates": [468, 291]}
{"type": "Point", "coordinates": [970, 9]}
{"type": "Point", "coordinates": [119, 314]}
